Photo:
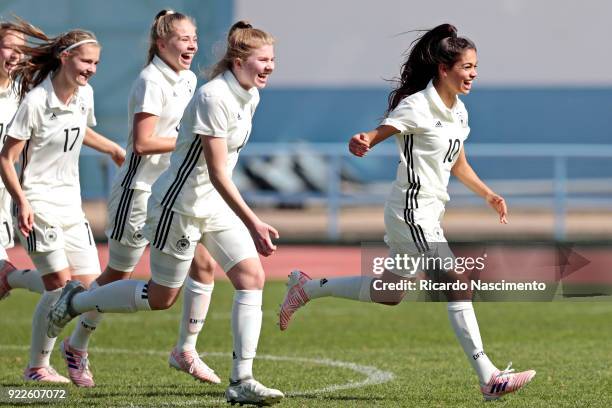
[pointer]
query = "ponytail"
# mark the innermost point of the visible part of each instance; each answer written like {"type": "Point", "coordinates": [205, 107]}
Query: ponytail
{"type": "Point", "coordinates": [42, 54]}
{"type": "Point", "coordinates": [440, 45]}
{"type": "Point", "coordinates": [162, 28]}
{"type": "Point", "coordinates": [242, 39]}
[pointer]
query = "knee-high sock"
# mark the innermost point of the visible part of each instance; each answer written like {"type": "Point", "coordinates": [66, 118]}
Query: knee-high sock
{"type": "Point", "coordinates": [246, 326]}
{"type": "Point", "coordinates": [350, 287]}
{"type": "Point", "coordinates": [85, 326]}
{"type": "Point", "coordinates": [196, 300]}
{"type": "Point", "coordinates": [464, 323]}
{"type": "Point", "coordinates": [125, 296]}
{"type": "Point", "coordinates": [41, 345]}
{"type": "Point", "coordinates": [26, 279]}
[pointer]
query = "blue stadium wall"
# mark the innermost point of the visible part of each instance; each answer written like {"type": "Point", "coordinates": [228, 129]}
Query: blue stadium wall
{"type": "Point", "coordinates": [325, 111]}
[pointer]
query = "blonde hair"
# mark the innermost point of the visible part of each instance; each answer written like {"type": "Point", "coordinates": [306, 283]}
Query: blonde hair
{"type": "Point", "coordinates": [242, 39]}
{"type": "Point", "coordinates": [162, 28]}
{"type": "Point", "coordinates": [42, 54]}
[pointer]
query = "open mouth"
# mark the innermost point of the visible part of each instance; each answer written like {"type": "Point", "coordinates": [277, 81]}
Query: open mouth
{"type": "Point", "coordinates": [186, 58]}
{"type": "Point", "coordinates": [9, 66]}
{"type": "Point", "coordinates": [83, 77]}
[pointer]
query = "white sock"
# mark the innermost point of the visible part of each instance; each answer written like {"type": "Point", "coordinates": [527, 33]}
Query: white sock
{"type": "Point", "coordinates": [246, 326]}
{"type": "Point", "coordinates": [41, 345]}
{"type": "Point", "coordinates": [26, 279]}
{"type": "Point", "coordinates": [350, 287]}
{"type": "Point", "coordinates": [464, 323]}
{"type": "Point", "coordinates": [85, 327]}
{"type": "Point", "coordinates": [124, 296]}
{"type": "Point", "coordinates": [196, 299]}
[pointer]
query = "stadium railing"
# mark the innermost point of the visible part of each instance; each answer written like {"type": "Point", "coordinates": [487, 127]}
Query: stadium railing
{"type": "Point", "coordinates": [330, 188]}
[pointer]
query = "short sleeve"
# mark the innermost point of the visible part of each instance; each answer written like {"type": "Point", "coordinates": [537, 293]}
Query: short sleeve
{"type": "Point", "coordinates": [148, 97]}
{"type": "Point", "coordinates": [91, 117]}
{"type": "Point", "coordinates": [404, 117]}
{"type": "Point", "coordinates": [23, 125]}
{"type": "Point", "coordinates": [211, 117]}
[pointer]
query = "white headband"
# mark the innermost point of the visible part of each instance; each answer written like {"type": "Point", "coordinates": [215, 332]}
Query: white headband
{"type": "Point", "coordinates": [77, 44]}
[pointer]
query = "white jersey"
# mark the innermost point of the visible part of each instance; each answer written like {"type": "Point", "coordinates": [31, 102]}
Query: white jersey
{"type": "Point", "coordinates": [9, 101]}
{"type": "Point", "coordinates": [162, 92]}
{"type": "Point", "coordinates": [220, 108]}
{"type": "Point", "coordinates": [430, 139]}
{"type": "Point", "coordinates": [54, 133]}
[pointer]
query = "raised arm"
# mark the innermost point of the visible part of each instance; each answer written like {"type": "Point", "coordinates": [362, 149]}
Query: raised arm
{"type": "Point", "coordinates": [144, 140]}
{"type": "Point", "coordinates": [466, 174]}
{"type": "Point", "coordinates": [361, 143]}
{"type": "Point", "coordinates": [215, 153]}
{"type": "Point", "coordinates": [10, 153]}
{"type": "Point", "coordinates": [104, 145]}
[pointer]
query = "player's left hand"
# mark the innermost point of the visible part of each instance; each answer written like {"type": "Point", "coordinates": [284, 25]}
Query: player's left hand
{"type": "Point", "coordinates": [118, 155]}
{"type": "Point", "coordinates": [262, 234]}
{"type": "Point", "coordinates": [499, 204]}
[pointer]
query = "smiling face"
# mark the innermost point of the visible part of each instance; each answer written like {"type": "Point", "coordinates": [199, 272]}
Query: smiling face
{"type": "Point", "coordinates": [10, 54]}
{"type": "Point", "coordinates": [255, 70]}
{"type": "Point", "coordinates": [458, 78]}
{"type": "Point", "coordinates": [80, 64]}
{"type": "Point", "coordinates": [180, 47]}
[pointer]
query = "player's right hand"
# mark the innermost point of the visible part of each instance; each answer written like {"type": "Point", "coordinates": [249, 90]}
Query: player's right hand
{"type": "Point", "coordinates": [25, 219]}
{"type": "Point", "coordinates": [262, 234]}
{"type": "Point", "coordinates": [359, 144]}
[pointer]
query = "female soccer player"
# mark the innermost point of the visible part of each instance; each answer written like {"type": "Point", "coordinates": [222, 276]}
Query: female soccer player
{"type": "Point", "coordinates": [430, 125]}
{"type": "Point", "coordinates": [195, 201]}
{"type": "Point", "coordinates": [156, 104]}
{"type": "Point", "coordinates": [51, 124]}
{"type": "Point", "coordinates": [10, 54]}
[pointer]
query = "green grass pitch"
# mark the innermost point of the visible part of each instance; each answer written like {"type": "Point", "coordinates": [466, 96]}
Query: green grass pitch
{"type": "Point", "coordinates": [568, 343]}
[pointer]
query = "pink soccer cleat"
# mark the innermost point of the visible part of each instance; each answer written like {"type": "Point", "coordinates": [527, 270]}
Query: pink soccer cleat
{"type": "Point", "coordinates": [294, 298]}
{"type": "Point", "coordinates": [191, 363]}
{"type": "Point", "coordinates": [505, 382]}
{"type": "Point", "coordinates": [78, 365]}
{"type": "Point", "coordinates": [44, 374]}
{"type": "Point", "coordinates": [5, 288]}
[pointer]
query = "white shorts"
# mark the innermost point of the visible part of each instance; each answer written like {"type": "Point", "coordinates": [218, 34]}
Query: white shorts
{"type": "Point", "coordinates": [174, 237]}
{"type": "Point", "coordinates": [127, 212]}
{"type": "Point", "coordinates": [57, 243]}
{"type": "Point", "coordinates": [6, 220]}
{"type": "Point", "coordinates": [416, 232]}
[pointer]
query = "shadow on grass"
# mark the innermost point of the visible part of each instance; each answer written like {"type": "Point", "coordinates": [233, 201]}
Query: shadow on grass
{"type": "Point", "coordinates": [343, 398]}
{"type": "Point", "coordinates": [167, 391]}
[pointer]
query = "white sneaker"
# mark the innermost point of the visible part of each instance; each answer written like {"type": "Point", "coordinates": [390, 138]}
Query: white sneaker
{"type": "Point", "coordinates": [190, 362]}
{"type": "Point", "coordinates": [295, 297]}
{"type": "Point", "coordinates": [251, 391]}
{"type": "Point", "coordinates": [505, 382]}
{"type": "Point", "coordinates": [61, 312]}
{"type": "Point", "coordinates": [5, 270]}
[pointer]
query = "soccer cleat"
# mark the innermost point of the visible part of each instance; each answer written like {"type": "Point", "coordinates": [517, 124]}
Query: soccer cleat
{"type": "Point", "coordinates": [251, 391]}
{"type": "Point", "coordinates": [294, 298]}
{"type": "Point", "coordinates": [44, 374]}
{"type": "Point", "coordinates": [78, 365]}
{"type": "Point", "coordinates": [61, 313]}
{"type": "Point", "coordinates": [191, 363]}
{"type": "Point", "coordinates": [505, 382]}
{"type": "Point", "coordinates": [5, 288]}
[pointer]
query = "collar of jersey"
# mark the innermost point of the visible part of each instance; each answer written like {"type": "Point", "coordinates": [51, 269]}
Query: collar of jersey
{"type": "Point", "coordinates": [4, 92]}
{"type": "Point", "coordinates": [237, 89]}
{"type": "Point", "coordinates": [52, 99]}
{"type": "Point", "coordinates": [165, 69]}
{"type": "Point", "coordinates": [434, 97]}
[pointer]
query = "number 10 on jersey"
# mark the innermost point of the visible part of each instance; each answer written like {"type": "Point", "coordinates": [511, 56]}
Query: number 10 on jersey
{"type": "Point", "coordinates": [454, 146]}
